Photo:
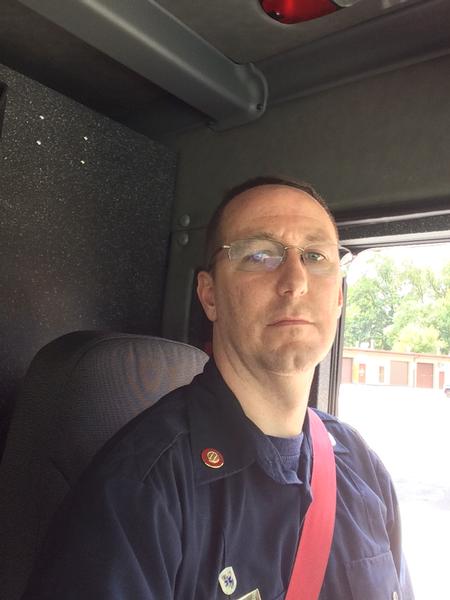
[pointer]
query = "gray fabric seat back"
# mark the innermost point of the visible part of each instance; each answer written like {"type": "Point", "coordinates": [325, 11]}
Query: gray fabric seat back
{"type": "Point", "coordinates": [79, 391]}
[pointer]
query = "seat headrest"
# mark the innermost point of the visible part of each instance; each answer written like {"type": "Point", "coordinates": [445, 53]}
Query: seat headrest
{"type": "Point", "coordinates": [79, 391]}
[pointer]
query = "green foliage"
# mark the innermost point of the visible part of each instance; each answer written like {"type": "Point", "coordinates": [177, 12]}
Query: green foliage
{"type": "Point", "coordinates": [399, 306]}
{"type": "Point", "coordinates": [440, 319]}
{"type": "Point", "coordinates": [416, 338]}
{"type": "Point", "coordinates": [371, 305]}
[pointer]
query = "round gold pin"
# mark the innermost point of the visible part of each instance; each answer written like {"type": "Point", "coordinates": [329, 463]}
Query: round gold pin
{"type": "Point", "coordinates": [212, 458]}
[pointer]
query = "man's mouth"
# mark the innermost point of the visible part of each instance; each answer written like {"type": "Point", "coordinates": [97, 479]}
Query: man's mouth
{"type": "Point", "coordinates": [286, 321]}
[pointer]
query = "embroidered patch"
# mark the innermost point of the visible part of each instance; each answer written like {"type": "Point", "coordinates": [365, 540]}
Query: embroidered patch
{"type": "Point", "coordinates": [227, 581]}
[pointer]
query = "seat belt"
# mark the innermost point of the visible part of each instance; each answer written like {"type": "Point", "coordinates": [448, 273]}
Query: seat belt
{"type": "Point", "coordinates": [315, 539]}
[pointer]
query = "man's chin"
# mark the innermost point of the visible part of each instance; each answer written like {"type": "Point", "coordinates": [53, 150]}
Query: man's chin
{"type": "Point", "coordinates": [290, 361]}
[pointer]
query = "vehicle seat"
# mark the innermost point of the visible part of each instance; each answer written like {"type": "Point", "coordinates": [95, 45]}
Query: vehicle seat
{"type": "Point", "coordinates": [79, 390]}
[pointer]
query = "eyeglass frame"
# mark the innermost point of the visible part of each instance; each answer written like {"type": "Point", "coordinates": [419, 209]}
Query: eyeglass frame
{"type": "Point", "coordinates": [284, 256]}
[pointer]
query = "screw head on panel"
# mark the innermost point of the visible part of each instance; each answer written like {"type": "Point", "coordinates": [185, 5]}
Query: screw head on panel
{"type": "Point", "coordinates": [183, 239]}
{"type": "Point", "coordinates": [184, 220]}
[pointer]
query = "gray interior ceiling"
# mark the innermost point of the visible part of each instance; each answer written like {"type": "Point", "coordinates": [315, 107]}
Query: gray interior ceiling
{"type": "Point", "coordinates": [244, 33]}
{"type": "Point", "coordinates": [372, 35]}
{"type": "Point", "coordinates": [41, 50]}
{"type": "Point", "coordinates": [146, 38]}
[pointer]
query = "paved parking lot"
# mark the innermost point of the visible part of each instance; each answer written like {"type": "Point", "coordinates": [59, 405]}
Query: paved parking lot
{"type": "Point", "coordinates": [410, 430]}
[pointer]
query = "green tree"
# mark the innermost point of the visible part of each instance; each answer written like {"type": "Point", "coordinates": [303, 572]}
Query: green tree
{"type": "Point", "coordinates": [409, 310]}
{"type": "Point", "coordinates": [391, 301]}
{"type": "Point", "coordinates": [421, 284]}
{"type": "Point", "coordinates": [417, 338]}
{"type": "Point", "coordinates": [371, 304]}
{"type": "Point", "coordinates": [440, 319]}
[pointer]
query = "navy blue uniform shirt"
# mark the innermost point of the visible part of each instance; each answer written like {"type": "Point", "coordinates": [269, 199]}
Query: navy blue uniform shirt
{"type": "Point", "coordinates": [150, 521]}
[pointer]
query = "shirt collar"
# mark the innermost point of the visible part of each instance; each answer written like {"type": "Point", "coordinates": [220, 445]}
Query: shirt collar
{"type": "Point", "coordinates": [218, 422]}
{"type": "Point", "coordinates": [330, 422]}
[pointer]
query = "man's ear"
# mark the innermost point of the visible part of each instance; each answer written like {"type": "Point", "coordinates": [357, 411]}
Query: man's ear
{"type": "Point", "coordinates": [206, 294]}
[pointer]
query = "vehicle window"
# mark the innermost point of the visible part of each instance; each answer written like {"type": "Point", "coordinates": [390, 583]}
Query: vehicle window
{"type": "Point", "coordinates": [395, 384]}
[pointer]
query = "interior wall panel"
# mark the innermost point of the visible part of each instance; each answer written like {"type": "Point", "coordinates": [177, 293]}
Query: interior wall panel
{"type": "Point", "coordinates": [85, 209]}
{"type": "Point", "coordinates": [378, 142]}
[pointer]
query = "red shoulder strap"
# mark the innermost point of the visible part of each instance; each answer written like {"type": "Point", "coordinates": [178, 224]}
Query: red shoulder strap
{"type": "Point", "coordinates": [315, 541]}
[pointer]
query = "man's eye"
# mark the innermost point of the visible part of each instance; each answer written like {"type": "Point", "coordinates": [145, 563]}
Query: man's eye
{"type": "Point", "coordinates": [314, 256]}
{"type": "Point", "coordinates": [256, 257]}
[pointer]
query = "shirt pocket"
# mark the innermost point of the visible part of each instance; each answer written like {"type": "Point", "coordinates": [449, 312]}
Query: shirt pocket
{"type": "Point", "coordinates": [374, 578]}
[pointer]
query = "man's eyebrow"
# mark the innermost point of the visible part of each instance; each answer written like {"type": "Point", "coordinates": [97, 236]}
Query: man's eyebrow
{"type": "Point", "coordinates": [317, 236]}
{"type": "Point", "coordinates": [265, 235]}
{"type": "Point", "coordinates": [312, 236]}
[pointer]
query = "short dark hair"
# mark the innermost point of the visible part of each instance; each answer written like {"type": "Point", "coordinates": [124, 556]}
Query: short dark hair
{"type": "Point", "coordinates": [213, 230]}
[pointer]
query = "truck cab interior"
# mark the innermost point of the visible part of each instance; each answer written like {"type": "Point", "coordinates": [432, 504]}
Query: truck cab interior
{"type": "Point", "coordinates": [124, 123]}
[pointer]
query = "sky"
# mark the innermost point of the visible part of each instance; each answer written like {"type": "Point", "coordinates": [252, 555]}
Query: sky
{"type": "Point", "coordinates": [432, 255]}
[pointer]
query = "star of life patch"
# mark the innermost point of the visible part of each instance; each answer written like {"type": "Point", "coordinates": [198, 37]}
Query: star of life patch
{"type": "Point", "coordinates": [227, 581]}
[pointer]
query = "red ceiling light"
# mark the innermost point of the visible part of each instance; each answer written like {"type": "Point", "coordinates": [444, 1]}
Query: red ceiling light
{"type": "Point", "coordinates": [295, 11]}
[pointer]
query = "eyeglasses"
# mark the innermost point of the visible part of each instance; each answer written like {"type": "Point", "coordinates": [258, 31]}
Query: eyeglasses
{"type": "Point", "coordinates": [256, 254]}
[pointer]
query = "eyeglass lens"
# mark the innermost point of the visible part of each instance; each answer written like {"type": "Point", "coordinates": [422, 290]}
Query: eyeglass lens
{"type": "Point", "coordinates": [267, 255]}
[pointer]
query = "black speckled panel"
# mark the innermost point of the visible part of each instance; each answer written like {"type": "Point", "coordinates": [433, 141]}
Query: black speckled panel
{"type": "Point", "coordinates": [85, 210]}
{"type": "Point", "coordinates": [2, 104]}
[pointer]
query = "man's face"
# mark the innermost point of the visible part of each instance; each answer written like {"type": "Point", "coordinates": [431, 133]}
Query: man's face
{"type": "Point", "coordinates": [282, 321]}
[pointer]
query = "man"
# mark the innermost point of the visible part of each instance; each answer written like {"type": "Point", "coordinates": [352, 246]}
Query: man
{"type": "Point", "coordinates": [205, 495]}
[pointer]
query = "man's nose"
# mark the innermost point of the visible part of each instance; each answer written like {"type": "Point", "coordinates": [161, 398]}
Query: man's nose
{"type": "Point", "coordinates": [292, 274]}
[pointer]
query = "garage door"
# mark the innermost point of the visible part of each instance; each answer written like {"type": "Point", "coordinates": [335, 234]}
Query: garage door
{"type": "Point", "coordinates": [399, 372]}
{"type": "Point", "coordinates": [424, 375]}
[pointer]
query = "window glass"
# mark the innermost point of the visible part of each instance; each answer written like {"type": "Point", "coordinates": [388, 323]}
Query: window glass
{"type": "Point", "coordinates": [395, 389]}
